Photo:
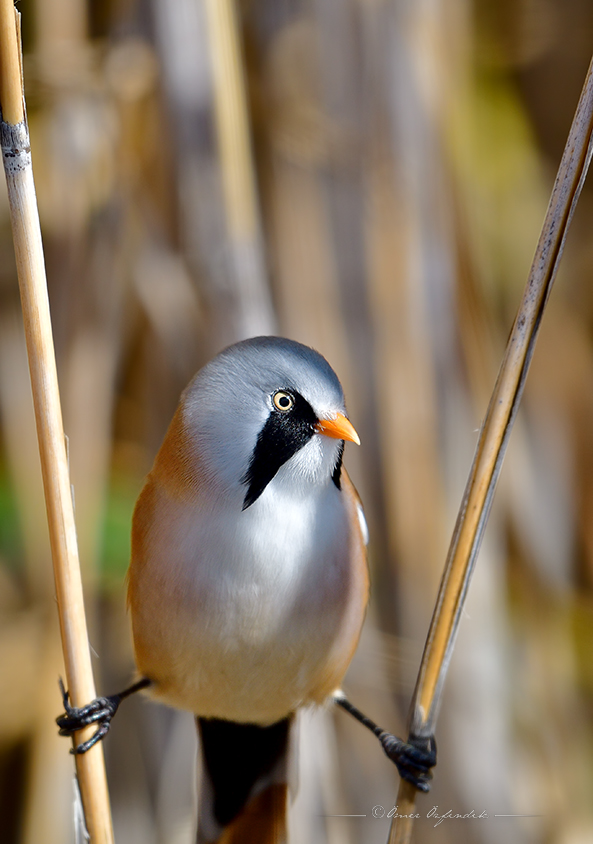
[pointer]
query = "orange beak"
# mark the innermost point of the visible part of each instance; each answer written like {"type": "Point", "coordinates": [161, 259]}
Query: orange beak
{"type": "Point", "coordinates": [339, 428]}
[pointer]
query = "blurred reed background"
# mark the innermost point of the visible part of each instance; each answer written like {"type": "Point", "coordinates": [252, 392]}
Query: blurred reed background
{"type": "Point", "coordinates": [368, 177]}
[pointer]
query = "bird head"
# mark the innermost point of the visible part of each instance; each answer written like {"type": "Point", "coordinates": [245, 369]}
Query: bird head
{"type": "Point", "coordinates": [268, 408]}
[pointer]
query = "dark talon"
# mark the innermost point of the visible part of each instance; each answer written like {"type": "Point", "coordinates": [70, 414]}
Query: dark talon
{"type": "Point", "coordinates": [413, 759]}
{"type": "Point", "coordinates": [86, 745]}
{"type": "Point", "coordinates": [99, 711]}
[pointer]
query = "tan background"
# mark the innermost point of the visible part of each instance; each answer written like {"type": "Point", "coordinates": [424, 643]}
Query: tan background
{"type": "Point", "coordinates": [404, 152]}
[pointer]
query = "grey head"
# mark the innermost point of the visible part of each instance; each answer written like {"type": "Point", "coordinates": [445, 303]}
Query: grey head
{"type": "Point", "coordinates": [252, 412]}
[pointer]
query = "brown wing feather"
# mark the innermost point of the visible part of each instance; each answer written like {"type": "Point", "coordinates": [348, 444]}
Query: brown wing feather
{"type": "Point", "coordinates": [263, 821]}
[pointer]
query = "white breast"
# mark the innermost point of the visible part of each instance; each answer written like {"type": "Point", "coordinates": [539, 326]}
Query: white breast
{"type": "Point", "coordinates": [253, 602]}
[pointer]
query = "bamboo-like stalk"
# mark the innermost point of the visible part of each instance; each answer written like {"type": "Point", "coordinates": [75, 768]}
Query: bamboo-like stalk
{"type": "Point", "coordinates": [493, 440]}
{"type": "Point", "coordinates": [231, 120]}
{"type": "Point", "coordinates": [237, 168]}
{"type": "Point", "coordinates": [52, 446]}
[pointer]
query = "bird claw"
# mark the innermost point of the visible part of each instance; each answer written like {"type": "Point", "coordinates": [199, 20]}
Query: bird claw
{"type": "Point", "coordinates": [99, 711]}
{"type": "Point", "coordinates": [413, 759]}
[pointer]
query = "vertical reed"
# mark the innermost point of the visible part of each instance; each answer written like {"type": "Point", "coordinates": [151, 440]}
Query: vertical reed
{"type": "Point", "coordinates": [52, 444]}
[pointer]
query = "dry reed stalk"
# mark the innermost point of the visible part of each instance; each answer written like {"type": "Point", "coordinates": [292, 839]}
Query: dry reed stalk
{"type": "Point", "coordinates": [493, 440]}
{"type": "Point", "coordinates": [52, 446]}
{"type": "Point", "coordinates": [231, 120]}
{"type": "Point", "coordinates": [237, 169]}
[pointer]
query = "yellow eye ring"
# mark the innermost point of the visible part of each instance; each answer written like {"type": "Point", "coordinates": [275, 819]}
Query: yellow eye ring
{"type": "Point", "coordinates": [283, 401]}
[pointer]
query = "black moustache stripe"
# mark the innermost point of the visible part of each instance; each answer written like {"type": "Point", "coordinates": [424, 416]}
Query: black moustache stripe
{"type": "Point", "coordinates": [337, 473]}
{"type": "Point", "coordinates": [282, 436]}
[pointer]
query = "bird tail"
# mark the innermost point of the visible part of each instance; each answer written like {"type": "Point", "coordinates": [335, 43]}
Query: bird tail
{"type": "Point", "coordinates": [244, 782]}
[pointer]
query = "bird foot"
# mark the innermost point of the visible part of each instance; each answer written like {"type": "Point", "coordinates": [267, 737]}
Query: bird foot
{"type": "Point", "coordinates": [100, 711]}
{"type": "Point", "coordinates": [412, 759]}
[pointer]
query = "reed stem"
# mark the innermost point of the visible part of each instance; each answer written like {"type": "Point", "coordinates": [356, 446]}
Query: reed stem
{"type": "Point", "coordinates": [48, 415]}
{"type": "Point", "coordinates": [493, 440]}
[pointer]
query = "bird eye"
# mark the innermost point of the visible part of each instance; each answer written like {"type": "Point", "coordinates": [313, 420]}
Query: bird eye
{"type": "Point", "coordinates": [283, 401]}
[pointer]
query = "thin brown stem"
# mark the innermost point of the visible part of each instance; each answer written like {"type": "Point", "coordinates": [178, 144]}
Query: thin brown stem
{"type": "Point", "coordinates": [493, 439]}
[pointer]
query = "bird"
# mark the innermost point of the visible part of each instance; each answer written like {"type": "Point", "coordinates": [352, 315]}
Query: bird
{"type": "Point", "coordinates": [248, 582]}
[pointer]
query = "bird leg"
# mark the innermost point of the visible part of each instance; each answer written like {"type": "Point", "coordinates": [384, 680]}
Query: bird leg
{"type": "Point", "coordinates": [99, 711]}
{"type": "Point", "coordinates": [413, 759]}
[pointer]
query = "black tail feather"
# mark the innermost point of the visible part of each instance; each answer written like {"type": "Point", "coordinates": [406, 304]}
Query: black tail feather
{"type": "Point", "coordinates": [236, 758]}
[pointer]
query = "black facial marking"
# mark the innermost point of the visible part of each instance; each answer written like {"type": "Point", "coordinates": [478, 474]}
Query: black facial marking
{"type": "Point", "coordinates": [337, 474]}
{"type": "Point", "coordinates": [284, 433]}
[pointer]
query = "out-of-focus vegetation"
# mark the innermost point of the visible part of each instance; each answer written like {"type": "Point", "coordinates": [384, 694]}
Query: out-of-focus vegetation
{"type": "Point", "coordinates": [403, 153]}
